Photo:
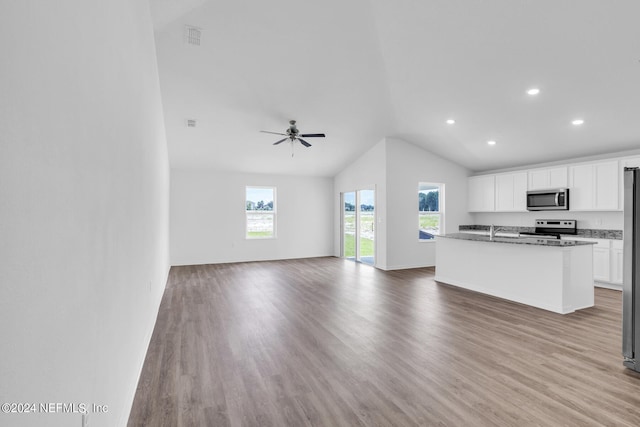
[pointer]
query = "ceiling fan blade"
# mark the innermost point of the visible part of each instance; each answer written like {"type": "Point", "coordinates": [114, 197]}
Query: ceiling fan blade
{"type": "Point", "coordinates": [303, 142]}
{"type": "Point", "coordinates": [313, 135]}
{"type": "Point", "coordinates": [275, 133]}
{"type": "Point", "coordinates": [276, 143]}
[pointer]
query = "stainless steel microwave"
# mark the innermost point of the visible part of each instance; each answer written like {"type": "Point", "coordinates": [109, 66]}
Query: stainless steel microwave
{"type": "Point", "coordinates": [548, 200]}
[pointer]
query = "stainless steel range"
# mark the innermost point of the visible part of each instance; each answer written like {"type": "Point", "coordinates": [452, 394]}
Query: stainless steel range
{"type": "Point", "coordinates": [553, 228]}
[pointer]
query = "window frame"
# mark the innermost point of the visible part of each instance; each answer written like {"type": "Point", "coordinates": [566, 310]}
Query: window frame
{"type": "Point", "coordinates": [272, 212]}
{"type": "Point", "coordinates": [440, 212]}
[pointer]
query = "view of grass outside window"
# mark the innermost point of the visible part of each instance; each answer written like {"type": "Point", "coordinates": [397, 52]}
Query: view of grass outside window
{"type": "Point", "coordinates": [365, 230]}
{"type": "Point", "coordinates": [261, 212]}
{"type": "Point", "coordinates": [430, 208]}
{"type": "Point", "coordinates": [349, 225]}
{"type": "Point", "coordinates": [367, 226]}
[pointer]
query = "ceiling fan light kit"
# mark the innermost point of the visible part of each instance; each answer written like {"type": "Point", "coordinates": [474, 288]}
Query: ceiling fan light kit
{"type": "Point", "coordinates": [293, 134]}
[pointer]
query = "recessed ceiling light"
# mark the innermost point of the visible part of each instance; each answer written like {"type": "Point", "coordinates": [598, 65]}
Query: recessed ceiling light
{"type": "Point", "coordinates": [533, 91]}
{"type": "Point", "coordinates": [450, 121]}
{"type": "Point", "coordinates": [491, 142]}
{"type": "Point", "coordinates": [577, 122]}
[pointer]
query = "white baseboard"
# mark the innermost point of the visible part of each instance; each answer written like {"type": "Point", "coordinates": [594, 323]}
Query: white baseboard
{"type": "Point", "coordinates": [407, 266]}
{"type": "Point", "coordinates": [605, 285]}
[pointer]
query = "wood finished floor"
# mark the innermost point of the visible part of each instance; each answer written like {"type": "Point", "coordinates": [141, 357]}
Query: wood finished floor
{"type": "Point", "coordinates": [328, 342]}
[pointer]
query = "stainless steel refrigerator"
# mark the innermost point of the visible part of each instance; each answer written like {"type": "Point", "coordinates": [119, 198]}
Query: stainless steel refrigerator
{"type": "Point", "coordinates": [631, 275]}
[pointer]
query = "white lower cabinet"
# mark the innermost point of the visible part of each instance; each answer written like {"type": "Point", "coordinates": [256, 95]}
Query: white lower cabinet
{"type": "Point", "coordinates": [616, 262]}
{"type": "Point", "coordinates": [601, 264]}
{"type": "Point", "coordinates": [607, 261]}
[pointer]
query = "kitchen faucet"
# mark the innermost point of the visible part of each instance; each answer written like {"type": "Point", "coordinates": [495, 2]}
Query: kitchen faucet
{"type": "Point", "coordinates": [493, 230]}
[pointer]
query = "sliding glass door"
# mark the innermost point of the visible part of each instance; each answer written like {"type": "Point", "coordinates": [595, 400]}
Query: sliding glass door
{"type": "Point", "coordinates": [349, 225]}
{"type": "Point", "coordinates": [366, 226]}
{"type": "Point", "coordinates": [358, 226]}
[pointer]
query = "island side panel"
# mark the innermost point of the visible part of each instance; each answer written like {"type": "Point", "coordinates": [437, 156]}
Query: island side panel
{"type": "Point", "coordinates": [579, 288]}
{"type": "Point", "coordinates": [528, 274]}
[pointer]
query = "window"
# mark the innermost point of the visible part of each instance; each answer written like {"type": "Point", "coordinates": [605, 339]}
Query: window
{"type": "Point", "coordinates": [261, 212]}
{"type": "Point", "coordinates": [430, 210]}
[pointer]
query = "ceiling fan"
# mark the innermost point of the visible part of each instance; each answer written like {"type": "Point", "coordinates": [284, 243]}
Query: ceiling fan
{"type": "Point", "coordinates": [294, 134]}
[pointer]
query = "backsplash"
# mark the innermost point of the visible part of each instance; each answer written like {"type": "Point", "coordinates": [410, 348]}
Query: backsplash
{"type": "Point", "coordinates": [582, 232]}
{"type": "Point", "coordinates": [586, 220]}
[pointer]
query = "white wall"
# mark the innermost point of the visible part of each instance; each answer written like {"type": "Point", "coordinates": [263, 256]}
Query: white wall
{"type": "Point", "coordinates": [368, 171]}
{"type": "Point", "coordinates": [84, 185]}
{"type": "Point", "coordinates": [396, 167]}
{"type": "Point", "coordinates": [408, 165]}
{"type": "Point", "coordinates": [208, 217]}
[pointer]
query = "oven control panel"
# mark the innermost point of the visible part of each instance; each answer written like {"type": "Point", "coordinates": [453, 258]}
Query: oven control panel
{"type": "Point", "coordinates": [556, 223]}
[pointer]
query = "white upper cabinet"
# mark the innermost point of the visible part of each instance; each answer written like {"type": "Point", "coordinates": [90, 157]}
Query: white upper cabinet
{"type": "Point", "coordinates": [511, 192]}
{"type": "Point", "coordinates": [481, 196]}
{"type": "Point", "coordinates": [607, 186]}
{"type": "Point", "coordinates": [594, 186]}
{"type": "Point", "coordinates": [582, 187]}
{"type": "Point", "coordinates": [542, 179]}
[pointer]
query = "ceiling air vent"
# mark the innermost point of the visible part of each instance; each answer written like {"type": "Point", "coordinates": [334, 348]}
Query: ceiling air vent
{"type": "Point", "coordinates": [192, 35]}
{"type": "Point", "coordinates": [191, 123]}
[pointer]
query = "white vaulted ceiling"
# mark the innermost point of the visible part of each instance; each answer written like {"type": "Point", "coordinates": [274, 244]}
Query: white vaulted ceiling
{"type": "Point", "coordinates": [361, 70]}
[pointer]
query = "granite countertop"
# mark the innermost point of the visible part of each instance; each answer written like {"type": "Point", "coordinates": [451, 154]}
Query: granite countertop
{"type": "Point", "coordinates": [515, 240]}
{"type": "Point", "coordinates": [581, 232]}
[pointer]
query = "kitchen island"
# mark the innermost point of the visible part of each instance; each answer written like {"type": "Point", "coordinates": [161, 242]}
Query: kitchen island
{"type": "Point", "coordinates": [555, 275]}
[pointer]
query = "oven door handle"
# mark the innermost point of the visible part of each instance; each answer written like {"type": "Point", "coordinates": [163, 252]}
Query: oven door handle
{"type": "Point", "coordinates": [557, 199]}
